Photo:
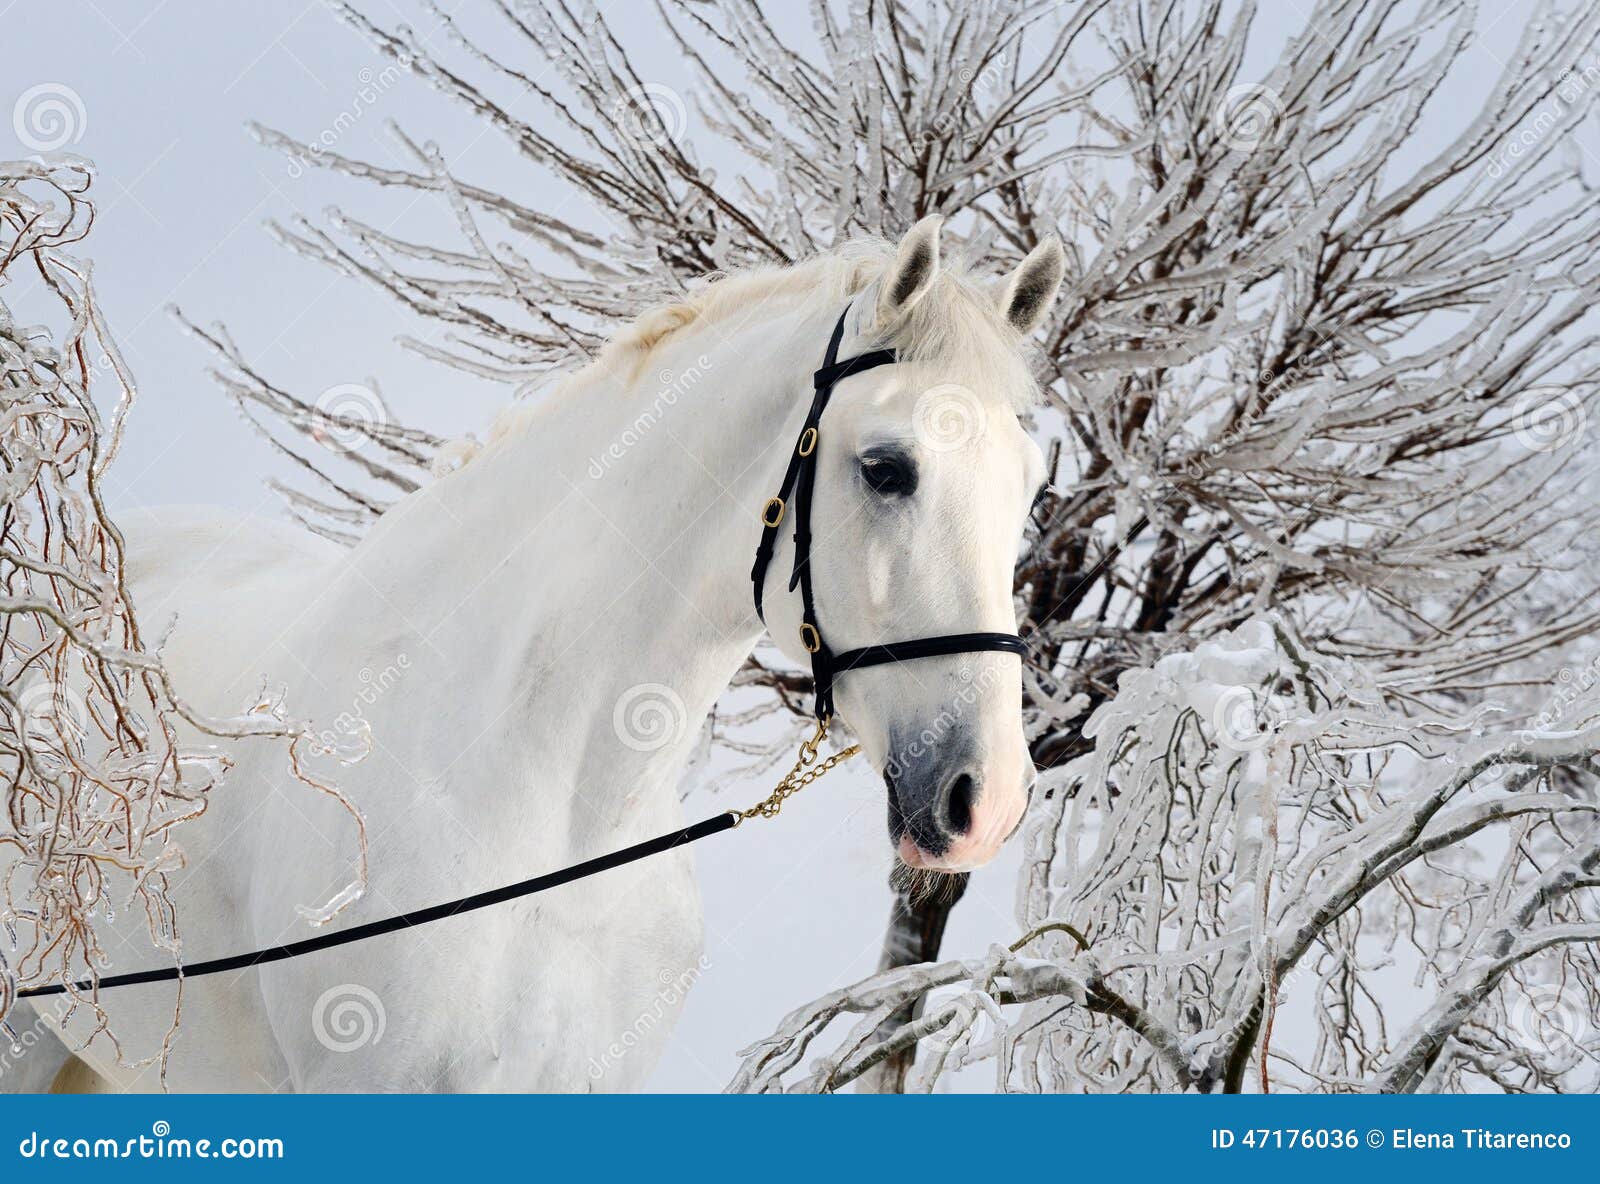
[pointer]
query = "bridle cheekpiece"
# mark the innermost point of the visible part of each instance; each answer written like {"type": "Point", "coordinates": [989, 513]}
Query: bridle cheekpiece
{"type": "Point", "coordinates": [793, 501]}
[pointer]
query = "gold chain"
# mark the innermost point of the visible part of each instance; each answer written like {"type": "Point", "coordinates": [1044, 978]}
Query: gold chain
{"type": "Point", "coordinates": [806, 770]}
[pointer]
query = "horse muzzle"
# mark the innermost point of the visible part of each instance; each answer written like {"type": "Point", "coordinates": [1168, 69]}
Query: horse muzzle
{"type": "Point", "coordinates": [950, 810]}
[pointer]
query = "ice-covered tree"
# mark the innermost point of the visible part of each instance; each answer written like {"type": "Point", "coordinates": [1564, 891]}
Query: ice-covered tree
{"type": "Point", "coordinates": [1324, 349]}
{"type": "Point", "coordinates": [101, 760]}
{"type": "Point", "coordinates": [1257, 833]}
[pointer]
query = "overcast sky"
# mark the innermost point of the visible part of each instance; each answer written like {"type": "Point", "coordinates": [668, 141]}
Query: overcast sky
{"type": "Point", "coordinates": [183, 193]}
{"type": "Point", "coordinates": [166, 89]}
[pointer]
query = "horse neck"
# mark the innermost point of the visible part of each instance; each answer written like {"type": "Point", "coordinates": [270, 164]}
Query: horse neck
{"type": "Point", "coordinates": [607, 552]}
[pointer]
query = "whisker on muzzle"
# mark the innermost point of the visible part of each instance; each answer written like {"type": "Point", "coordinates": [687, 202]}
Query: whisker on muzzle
{"type": "Point", "coordinates": [920, 885]}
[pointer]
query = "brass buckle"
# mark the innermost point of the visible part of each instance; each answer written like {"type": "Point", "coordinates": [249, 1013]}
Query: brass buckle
{"type": "Point", "coordinates": [808, 442]}
{"type": "Point", "coordinates": [810, 638]}
{"type": "Point", "coordinates": [768, 518]}
{"type": "Point", "coordinates": [808, 748]}
{"type": "Point", "coordinates": [806, 770]}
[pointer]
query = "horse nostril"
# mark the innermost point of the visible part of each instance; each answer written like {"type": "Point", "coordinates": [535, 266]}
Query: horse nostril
{"type": "Point", "coordinates": [958, 802]}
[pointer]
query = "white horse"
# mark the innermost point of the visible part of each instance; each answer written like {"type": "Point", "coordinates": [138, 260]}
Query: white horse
{"type": "Point", "coordinates": [504, 629]}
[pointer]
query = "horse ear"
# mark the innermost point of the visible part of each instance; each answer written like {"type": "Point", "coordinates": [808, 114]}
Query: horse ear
{"type": "Point", "coordinates": [915, 266]}
{"type": "Point", "coordinates": [1029, 291]}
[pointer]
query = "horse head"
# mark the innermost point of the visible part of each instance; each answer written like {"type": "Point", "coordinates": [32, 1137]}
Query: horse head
{"type": "Point", "coordinates": [923, 479]}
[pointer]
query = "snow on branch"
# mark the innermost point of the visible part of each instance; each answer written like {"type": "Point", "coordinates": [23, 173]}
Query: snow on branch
{"type": "Point", "coordinates": [1303, 357]}
{"type": "Point", "coordinates": [1255, 835]}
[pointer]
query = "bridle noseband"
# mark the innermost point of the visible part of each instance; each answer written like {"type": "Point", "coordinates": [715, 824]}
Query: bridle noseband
{"type": "Point", "coordinates": [799, 479]}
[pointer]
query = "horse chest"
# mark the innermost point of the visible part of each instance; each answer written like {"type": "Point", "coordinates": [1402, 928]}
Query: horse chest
{"type": "Point", "coordinates": [581, 992]}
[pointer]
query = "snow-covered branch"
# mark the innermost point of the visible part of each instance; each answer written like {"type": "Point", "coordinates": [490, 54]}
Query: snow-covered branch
{"type": "Point", "coordinates": [1254, 834]}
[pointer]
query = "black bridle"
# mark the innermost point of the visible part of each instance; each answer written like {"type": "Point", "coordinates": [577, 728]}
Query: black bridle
{"type": "Point", "coordinates": [799, 479]}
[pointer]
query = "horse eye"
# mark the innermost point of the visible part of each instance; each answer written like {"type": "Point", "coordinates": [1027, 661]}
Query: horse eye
{"type": "Point", "coordinates": [889, 475]}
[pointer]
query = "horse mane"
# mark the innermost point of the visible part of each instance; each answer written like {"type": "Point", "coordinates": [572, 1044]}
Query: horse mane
{"type": "Point", "coordinates": [956, 330]}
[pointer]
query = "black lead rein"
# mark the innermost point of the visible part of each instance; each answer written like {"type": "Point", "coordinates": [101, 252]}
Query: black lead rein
{"type": "Point", "coordinates": [798, 481]}
{"type": "Point", "coordinates": [438, 912]}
